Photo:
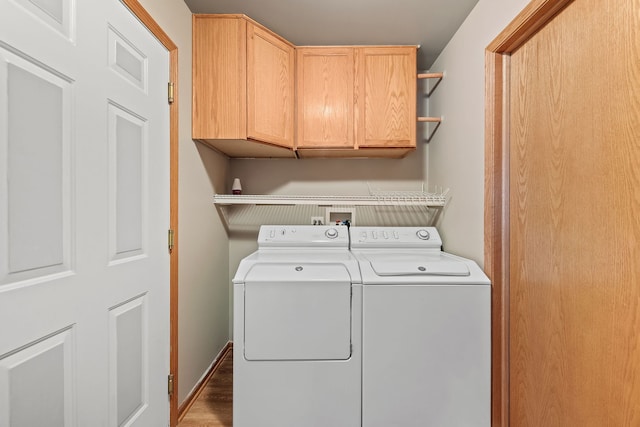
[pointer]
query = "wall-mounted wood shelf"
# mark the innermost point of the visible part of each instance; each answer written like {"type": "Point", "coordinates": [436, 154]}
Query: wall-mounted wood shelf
{"type": "Point", "coordinates": [437, 120]}
{"type": "Point", "coordinates": [430, 75]}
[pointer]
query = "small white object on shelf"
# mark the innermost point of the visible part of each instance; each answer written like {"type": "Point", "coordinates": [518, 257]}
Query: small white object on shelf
{"type": "Point", "coordinates": [236, 187]}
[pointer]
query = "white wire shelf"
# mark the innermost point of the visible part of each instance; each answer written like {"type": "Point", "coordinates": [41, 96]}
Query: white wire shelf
{"type": "Point", "coordinates": [392, 208]}
{"type": "Point", "coordinates": [395, 198]}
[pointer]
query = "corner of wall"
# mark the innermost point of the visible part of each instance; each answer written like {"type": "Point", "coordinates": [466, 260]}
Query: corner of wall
{"type": "Point", "coordinates": [456, 153]}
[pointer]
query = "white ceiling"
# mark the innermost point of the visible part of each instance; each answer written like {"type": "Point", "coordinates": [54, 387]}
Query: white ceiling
{"type": "Point", "coordinates": [428, 23]}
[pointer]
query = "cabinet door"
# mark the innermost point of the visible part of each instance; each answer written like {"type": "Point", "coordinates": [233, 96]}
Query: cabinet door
{"type": "Point", "coordinates": [325, 97]}
{"type": "Point", "coordinates": [219, 62]}
{"type": "Point", "coordinates": [386, 97]}
{"type": "Point", "coordinates": [270, 87]}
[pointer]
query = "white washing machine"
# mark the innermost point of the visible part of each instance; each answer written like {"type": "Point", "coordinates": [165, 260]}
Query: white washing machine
{"type": "Point", "coordinates": [297, 330]}
{"type": "Point", "coordinates": [426, 331]}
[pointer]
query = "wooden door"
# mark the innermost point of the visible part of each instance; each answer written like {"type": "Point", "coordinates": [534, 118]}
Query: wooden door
{"type": "Point", "coordinates": [572, 250]}
{"type": "Point", "coordinates": [219, 77]}
{"type": "Point", "coordinates": [325, 97]}
{"type": "Point", "coordinates": [270, 87]}
{"type": "Point", "coordinates": [386, 96]}
{"type": "Point", "coordinates": [84, 209]}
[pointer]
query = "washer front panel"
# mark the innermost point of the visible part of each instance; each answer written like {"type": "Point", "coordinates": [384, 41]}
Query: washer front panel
{"type": "Point", "coordinates": [426, 356]}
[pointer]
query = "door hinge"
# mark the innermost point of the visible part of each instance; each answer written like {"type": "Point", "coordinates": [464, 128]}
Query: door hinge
{"type": "Point", "coordinates": [170, 240]}
{"type": "Point", "coordinates": [170, 92]}
{"type": "Point", "coordinates": [170, 384]}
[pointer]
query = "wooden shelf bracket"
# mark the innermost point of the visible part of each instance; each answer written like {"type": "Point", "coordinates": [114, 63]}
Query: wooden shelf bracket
{"type": "Point", "coordinates": [437, 120]}
{"type": "Point", "coordinates": [436, 76]}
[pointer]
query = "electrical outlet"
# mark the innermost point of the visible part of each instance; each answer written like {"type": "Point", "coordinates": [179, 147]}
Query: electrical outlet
{"type": "Point", "coordinates": [317, 220]}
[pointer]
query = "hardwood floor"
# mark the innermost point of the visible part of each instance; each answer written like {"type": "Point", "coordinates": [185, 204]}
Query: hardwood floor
{"type": "Point", "coordinates": [213, 407]}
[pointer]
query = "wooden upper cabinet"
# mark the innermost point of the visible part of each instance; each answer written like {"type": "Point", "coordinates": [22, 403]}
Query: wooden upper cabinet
{"type": "Point", "coordinates": [325, 97]}
{"type": "Point", "coordinates": [243, 87]}
{"type": "Point", "coordinates": [386, 97]}
{"type": "Point", "coordinates": [356, 101]}
{"type": "Point", "coordinates": [252, 89]}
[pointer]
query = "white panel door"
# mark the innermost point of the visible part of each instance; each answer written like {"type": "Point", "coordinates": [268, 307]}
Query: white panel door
{"type": "Point", "coordinates": [84, 212]}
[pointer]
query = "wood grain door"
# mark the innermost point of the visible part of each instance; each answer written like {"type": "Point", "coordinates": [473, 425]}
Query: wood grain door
{"type": "Point", "coordinates": [219, 77]}
{"type": "Point", "coordinates": [386, 96]}
{"type": "Point", "coordinates": [325, 97]}
{"type": "Point", "coordinates": [270, 87]}
{"type": "Point", "coordinates": [571, 287]}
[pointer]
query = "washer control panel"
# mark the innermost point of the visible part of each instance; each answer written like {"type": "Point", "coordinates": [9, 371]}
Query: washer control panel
{"type": "Point", "coordinates": [390, 237]}
{"type": "Point", "coordinates": [303, 235]}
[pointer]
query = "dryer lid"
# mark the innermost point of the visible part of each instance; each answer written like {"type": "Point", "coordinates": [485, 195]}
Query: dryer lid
{"type": "Point", "coordinates": [418, 268]}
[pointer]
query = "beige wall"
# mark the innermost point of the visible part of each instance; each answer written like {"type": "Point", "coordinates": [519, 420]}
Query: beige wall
{"type": "Point", "coordinates": [320, 177]}
{"type": "Point", "coordinates": [203, 244]}
{"type": "Point", "coordinates": [453, 159]}
{"type": "Point", "coordinates": [456, 152]}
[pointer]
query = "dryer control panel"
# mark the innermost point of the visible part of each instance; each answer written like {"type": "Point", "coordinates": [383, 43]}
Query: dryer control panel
{"type": "Point", "coordinates": [395, 237]}
{"type": "Point", "coordinates": [288, 236]}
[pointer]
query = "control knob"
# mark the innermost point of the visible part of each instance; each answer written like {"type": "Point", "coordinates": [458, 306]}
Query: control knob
{"type": "Point", "coordinates": [331, 233]}
{"type": "Point", "coordinates": [423, 234]}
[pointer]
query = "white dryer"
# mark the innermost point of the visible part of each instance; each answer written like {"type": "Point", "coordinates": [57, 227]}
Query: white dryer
{"type": "Point", "coordinates": [426, 331]}
{"type": "Point", "coordinates": [297, 330]}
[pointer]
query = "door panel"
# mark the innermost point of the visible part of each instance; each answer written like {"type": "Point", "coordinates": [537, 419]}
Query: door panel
{"type": "Point", "coordinates": [39, 375]}
{"type": "Point", "coordinates": [84, 212]}
{"type": "Point", "coordinates": [37, 162]}
{"type": "Point", "coordinates": [325, 97]}
{"type": "Point", "coordinates": [126, 60]}
{"type": "Point", "coordinates": [386, 97]}
{"type": "Point", "coordinates": [270, 87]}
{"type": "Point", "coordinates": [128, 336]}
{"type": "Point", "coordinates": [574, 232]}
{"type": "Point", "coordinates": [128, 149]}
{"type": "Point", "coordinates": [57, 14]}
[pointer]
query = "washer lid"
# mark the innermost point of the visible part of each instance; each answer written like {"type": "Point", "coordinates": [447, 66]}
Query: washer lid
{"type": "Point", "coordinates": [420, 268]}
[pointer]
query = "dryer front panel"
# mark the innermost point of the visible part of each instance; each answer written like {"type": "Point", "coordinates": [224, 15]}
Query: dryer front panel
{"type": "Point", "coordinates": [297, 312]}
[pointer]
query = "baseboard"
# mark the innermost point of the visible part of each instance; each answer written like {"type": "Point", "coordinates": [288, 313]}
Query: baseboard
{"type": "Point", "coordinates": [191, 398]}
